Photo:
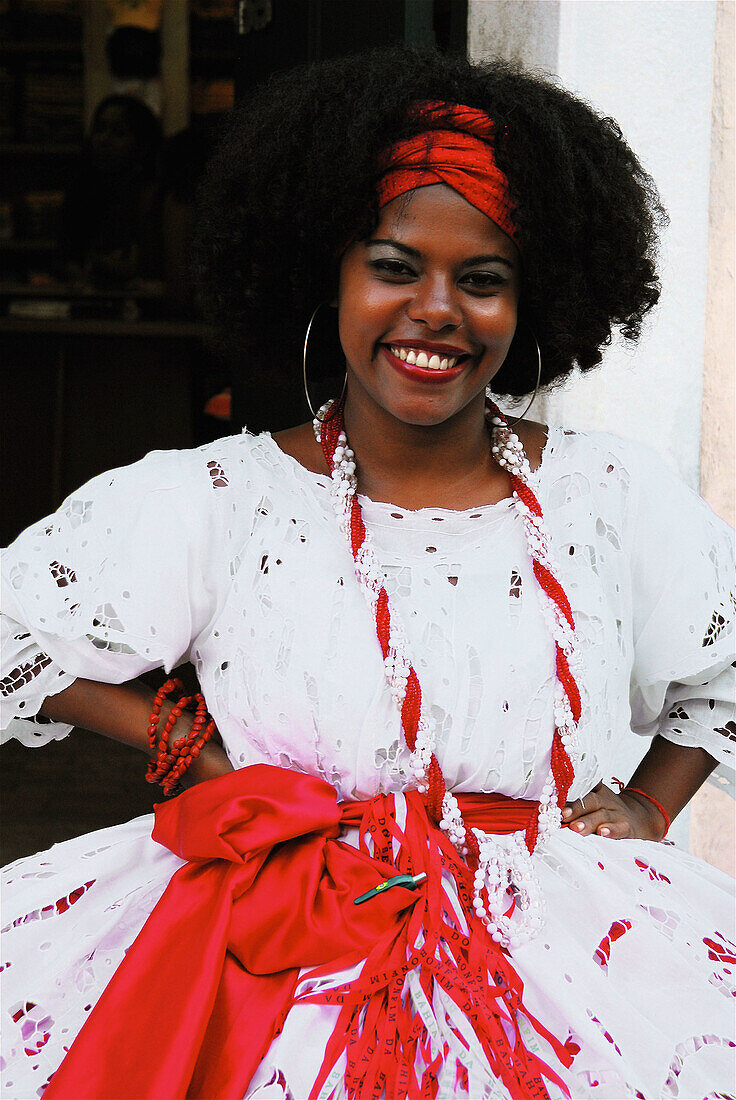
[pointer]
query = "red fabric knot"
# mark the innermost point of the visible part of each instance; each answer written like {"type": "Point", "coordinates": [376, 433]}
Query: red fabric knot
{"type": "Point", "coordinates": [457, 149]}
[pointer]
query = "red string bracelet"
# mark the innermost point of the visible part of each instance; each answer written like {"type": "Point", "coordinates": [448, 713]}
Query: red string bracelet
{"type": "Point", "coordinates": [173, 760]}
{"type": "Point", "coordinates": [660, 807]}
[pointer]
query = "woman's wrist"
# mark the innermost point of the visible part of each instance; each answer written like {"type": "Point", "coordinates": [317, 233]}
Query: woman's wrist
{"type": "Point", "coordinates": [668, 777]}
{"type": "Point", "coordinates": [654, 822]}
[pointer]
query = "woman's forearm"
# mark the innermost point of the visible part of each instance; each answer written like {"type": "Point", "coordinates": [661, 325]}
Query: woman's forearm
{"type": "Point", "coordinates": [118, 711]}
{"type": "Point", "coordinates": [121, 712]}
{"type": "Point", "coordinates": [672, 773]}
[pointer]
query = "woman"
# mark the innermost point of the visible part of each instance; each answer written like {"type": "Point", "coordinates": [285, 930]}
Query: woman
{"type": "Point", "coordinates": [113, 213]}
{"type": "Point", "coordinates": [414, 882]}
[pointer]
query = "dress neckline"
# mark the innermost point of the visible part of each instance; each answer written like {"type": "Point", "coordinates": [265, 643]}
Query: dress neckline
{"type": "Point", "coordinates": [388, 514]}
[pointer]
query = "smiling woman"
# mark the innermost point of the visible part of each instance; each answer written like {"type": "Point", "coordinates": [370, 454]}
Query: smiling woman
{"type": "Point", "coordinates": [420, 280]}
{"type": "Point", "coordinates": [427, 312]}
{"type": "Point", "coordinates": [419, 630]}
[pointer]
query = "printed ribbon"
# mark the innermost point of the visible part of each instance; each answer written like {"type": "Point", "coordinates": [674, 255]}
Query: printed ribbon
{"type": "Point", "coordinates": [268, 890]}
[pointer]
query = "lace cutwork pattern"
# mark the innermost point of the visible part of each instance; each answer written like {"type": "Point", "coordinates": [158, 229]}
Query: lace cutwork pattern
{"type": "Point", "coordinates": [248, 576]}
{"type": "Point", "coordinates": [73, 924]}
{"type": "Point", "coordinates": [77, 908]}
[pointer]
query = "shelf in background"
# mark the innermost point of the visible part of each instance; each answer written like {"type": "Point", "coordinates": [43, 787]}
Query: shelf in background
{"type": "Point", "coordinates": [28, 245]}
{"type": "Point", "coordinates": [38, 149]}
{"type": "Point", "coordinates": [152, 289]}
{"type": "Point", "coordinates": [41, 48]}
{"type": "Point", "coordinates": [97, 327]}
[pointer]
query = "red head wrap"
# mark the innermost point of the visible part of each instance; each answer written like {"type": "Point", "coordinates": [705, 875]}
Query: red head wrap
{"type": "Point", "coordinates": [463, 159]}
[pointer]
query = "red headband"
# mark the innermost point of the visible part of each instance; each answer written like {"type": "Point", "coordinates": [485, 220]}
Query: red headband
{"type": "Point", "coordinates": [463, 159]}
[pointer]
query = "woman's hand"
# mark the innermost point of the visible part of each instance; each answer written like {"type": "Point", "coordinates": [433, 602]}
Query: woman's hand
{"type": "Point", "coordinates": [618, 816]}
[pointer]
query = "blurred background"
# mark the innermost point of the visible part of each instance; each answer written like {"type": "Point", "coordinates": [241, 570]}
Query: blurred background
{"type": "Point", "coordinates": [109, 110]}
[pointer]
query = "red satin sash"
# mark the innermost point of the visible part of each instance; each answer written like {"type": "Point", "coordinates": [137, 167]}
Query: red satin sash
{"type": "Point", "coordinates": [268, 889]}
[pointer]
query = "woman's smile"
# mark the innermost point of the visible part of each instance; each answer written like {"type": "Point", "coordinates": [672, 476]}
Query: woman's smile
{"type": "Point", "coordinates": [430, 366]}
{"type": "Point", "coordinates": [427, 307]}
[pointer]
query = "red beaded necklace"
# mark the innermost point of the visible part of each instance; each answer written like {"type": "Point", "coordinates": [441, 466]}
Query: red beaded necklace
{"type": "Point", "coordinates": [332, 437]}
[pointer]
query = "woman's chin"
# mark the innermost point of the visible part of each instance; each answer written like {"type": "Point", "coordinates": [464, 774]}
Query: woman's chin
{"type": "Point", "coordinates": [432, 411]}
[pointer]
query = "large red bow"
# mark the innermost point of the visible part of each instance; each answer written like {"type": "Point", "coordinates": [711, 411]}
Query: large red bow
{"type": "Point", "coordinates": [269, 889]}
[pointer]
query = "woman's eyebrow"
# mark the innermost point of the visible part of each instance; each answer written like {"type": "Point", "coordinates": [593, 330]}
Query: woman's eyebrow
{"type": "Point", "coordinates": [486, 258]}
{"type": "Point", "coordinates": [394, 244]}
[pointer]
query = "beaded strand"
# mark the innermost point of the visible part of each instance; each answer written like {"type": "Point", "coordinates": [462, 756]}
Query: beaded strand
{"type": "Point", "coordinates": [173, 760]}
{"type": "Point", "coordinates": [501, 871]}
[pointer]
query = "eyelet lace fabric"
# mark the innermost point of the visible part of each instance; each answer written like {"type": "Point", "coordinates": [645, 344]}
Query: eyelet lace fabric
{"type": "Point", "coordinates": [229, 555]}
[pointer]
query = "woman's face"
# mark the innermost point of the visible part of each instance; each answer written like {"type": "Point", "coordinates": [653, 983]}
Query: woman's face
{"type": "Point", "coordinates": [427, 306]}
{"type": "Point", "coordinates": [112, 139]}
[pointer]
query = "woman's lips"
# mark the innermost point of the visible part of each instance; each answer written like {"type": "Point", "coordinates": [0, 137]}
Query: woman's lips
{"type": "Point", "coordinates": [423, 374]}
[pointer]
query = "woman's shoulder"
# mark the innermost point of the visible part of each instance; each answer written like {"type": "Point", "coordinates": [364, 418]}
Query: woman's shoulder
{"type": "Point", "coordinates": [628, 475]}
{"type": "Point", "coordinates": [593, 451]}
{"type": "Point", "coordinates": [301, 444]}
{"type": "Point", "coordinates": [198, 487]}
{"type": "Point", "coordinates": [235, 462]}
{"type": "Point", "coordinates": [281, 465]}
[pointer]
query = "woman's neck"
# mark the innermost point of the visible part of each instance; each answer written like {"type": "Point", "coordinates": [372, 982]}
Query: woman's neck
{"type": "Point", "coordinates": [444, 466]}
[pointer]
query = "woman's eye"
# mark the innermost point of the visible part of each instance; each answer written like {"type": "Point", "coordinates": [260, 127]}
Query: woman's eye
{"type": "Point", "coordinates": [396, 268]}
{"type": "Point", "coordinates": [483, 280]}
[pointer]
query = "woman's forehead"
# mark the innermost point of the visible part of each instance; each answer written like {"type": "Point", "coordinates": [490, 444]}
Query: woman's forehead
{"type": "Point", "coordinates": [439, 214]}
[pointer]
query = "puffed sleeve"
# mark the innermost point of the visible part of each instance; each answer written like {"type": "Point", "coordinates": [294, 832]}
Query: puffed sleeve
{"type": "Point", "coordinates": [122, 579]}
{"type": "Point", "coordinates": [682, 561]}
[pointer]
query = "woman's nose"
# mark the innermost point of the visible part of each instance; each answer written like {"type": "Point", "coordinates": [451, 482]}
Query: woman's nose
{"type": "Point", "coordinates": [434, 304]}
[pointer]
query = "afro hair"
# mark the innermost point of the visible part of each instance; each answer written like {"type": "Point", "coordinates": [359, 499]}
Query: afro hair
{"type": "Point", "coordinates": [294, 180]}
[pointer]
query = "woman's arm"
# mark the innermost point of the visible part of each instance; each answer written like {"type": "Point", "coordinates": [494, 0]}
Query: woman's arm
{"type": "Point", "coordinates": [121, 712]}
{"type": "Point", "coordinates": [670, 773]}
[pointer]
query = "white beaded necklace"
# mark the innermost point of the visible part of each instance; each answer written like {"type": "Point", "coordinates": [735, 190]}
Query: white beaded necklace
{"type": "Point", "coordinates": [503, 869]}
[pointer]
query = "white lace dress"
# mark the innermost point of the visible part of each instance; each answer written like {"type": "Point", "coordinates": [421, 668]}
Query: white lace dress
{"type": "Point", "coordinates": [230, 556]}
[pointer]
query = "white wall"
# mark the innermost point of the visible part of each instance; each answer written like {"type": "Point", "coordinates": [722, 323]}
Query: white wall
{"type": "Point", "coordinates": [712, 820]}
{"type": "Point", "coordinates": [649, 64]}
{"type": "Point", "coordinates": [523, 30]}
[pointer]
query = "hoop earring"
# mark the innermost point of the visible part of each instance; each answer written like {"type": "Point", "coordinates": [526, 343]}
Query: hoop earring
{"type": "Point", "coordinates": [517, 419]}
{"type": "Point", "coordinates": [304, 375]}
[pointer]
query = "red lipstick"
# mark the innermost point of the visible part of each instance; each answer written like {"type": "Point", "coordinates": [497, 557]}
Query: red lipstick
{"type": "Point", "coordinates": [430, 348]}
{"type": "Point", "coordinates": [422, 374]}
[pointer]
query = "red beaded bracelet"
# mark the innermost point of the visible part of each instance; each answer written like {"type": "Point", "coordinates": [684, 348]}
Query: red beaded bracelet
{"type": "Point", "coordinates": [161, 694]}
{"type": "Point", "coordinates": [660, 807]}
{"type": "Point", "coordinates": [173, 760]}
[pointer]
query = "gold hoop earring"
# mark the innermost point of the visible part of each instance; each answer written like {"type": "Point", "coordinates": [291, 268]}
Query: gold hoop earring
{"type": "Point", "coordinates": [304, 374]}
{"type": "Point", "coordinates": [517, 419]}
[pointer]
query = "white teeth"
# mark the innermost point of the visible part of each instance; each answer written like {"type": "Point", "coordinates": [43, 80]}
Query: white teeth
{"type": "Point", "coordinates": [421, 359]}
